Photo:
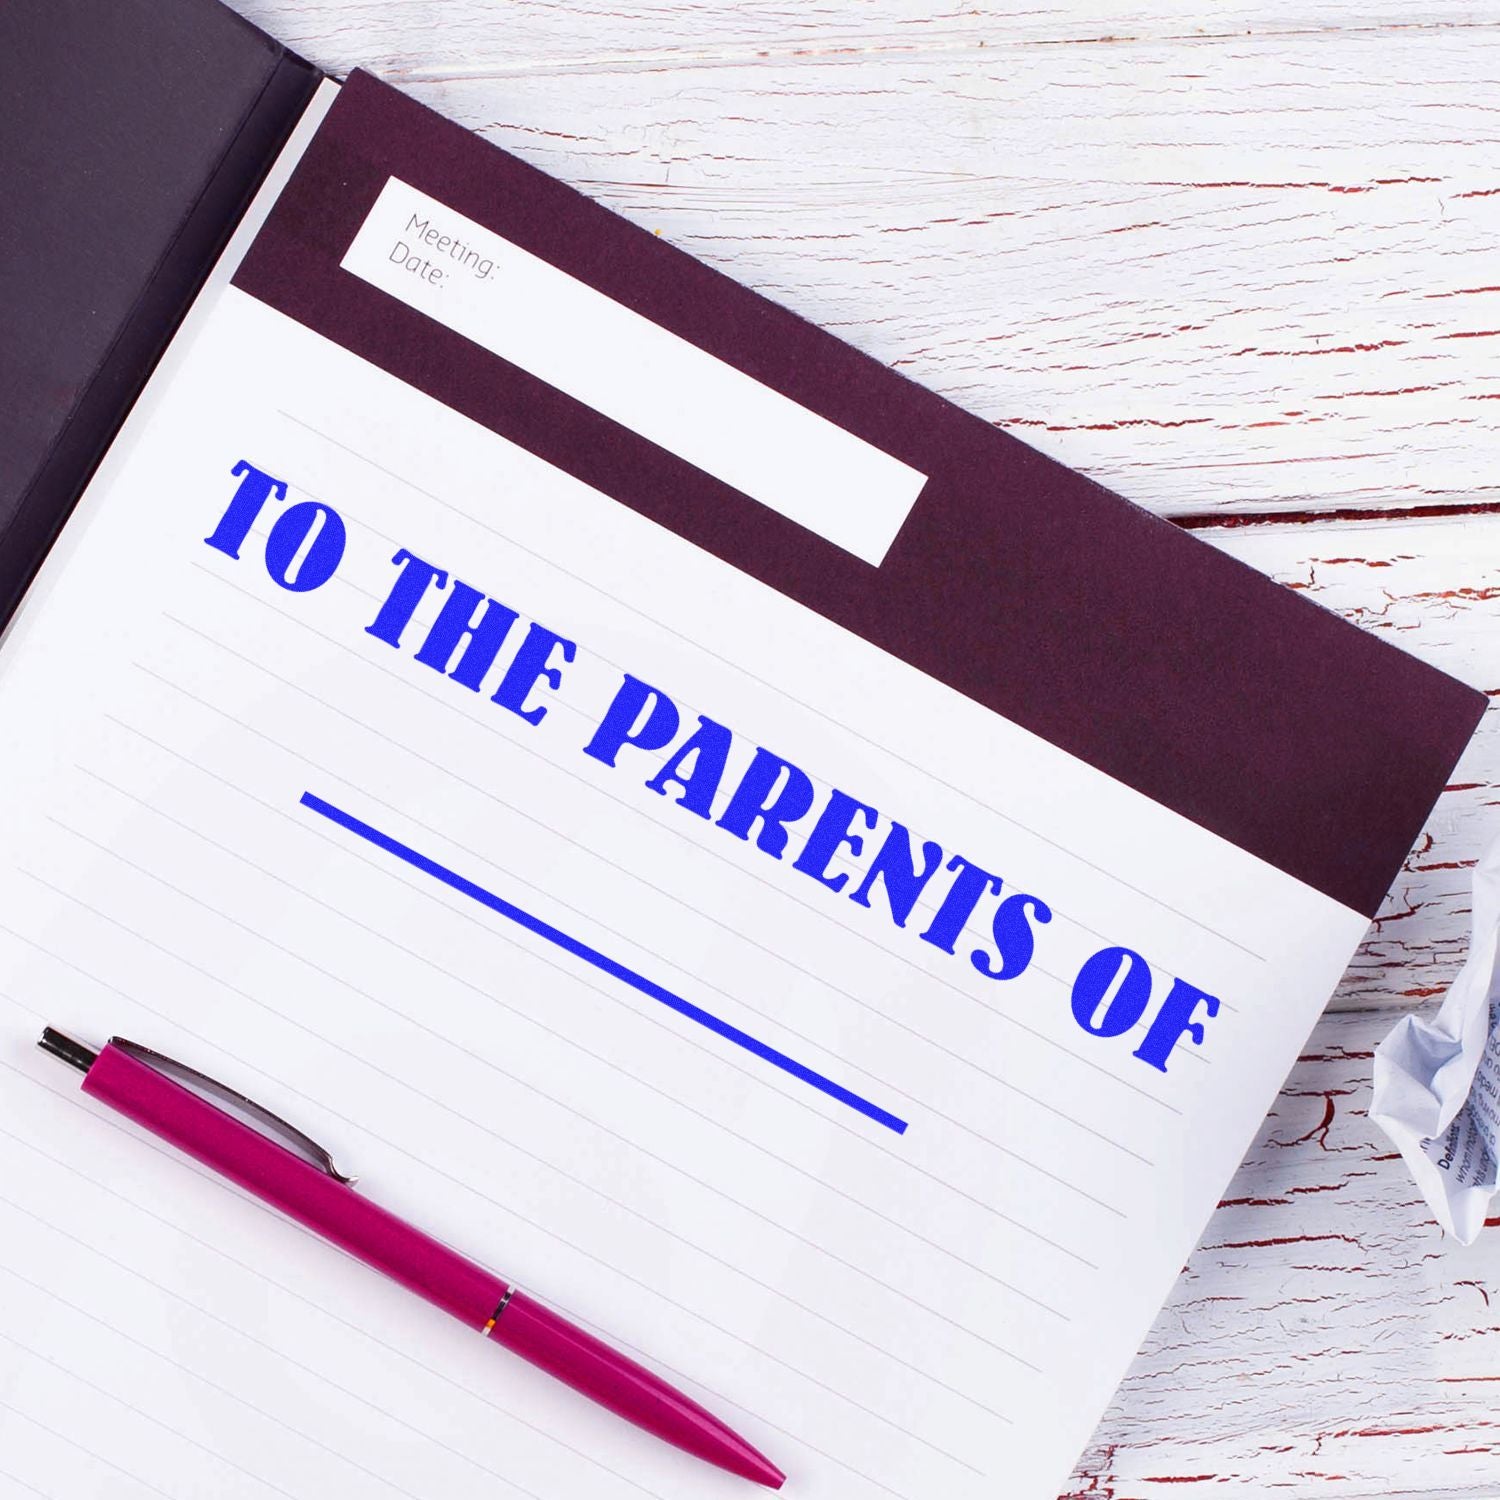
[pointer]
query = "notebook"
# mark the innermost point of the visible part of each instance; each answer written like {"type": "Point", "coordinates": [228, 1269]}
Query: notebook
{"type": "Point", "coordinates": [811, 888]}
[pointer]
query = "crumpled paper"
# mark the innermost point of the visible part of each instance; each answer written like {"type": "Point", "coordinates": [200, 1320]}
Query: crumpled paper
{"type": "Point", "coordinates": [1437, 1080]}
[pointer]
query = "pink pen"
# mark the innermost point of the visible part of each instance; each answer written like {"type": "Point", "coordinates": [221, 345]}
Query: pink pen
{"type": "Point", "coordinates": [308, 1188]}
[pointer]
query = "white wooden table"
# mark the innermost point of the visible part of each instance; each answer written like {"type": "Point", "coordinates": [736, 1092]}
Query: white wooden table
{"type": "Point", "coordinates": [1240, 260]}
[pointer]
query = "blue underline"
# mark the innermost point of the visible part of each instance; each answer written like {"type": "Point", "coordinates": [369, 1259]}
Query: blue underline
{"type": "Point", "coordinates": [569, 944]}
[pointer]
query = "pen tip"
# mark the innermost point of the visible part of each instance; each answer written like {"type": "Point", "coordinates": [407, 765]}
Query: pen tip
{"type": "Point", "coordinates": [762, 1470]}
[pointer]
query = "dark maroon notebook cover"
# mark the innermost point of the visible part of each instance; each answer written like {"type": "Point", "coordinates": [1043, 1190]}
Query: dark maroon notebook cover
{"type": "Point", "coordinates": [1025, 586]}
{"type": "Point", "coordinates": [132, 133]}
{"type": "Point", "coordinates": [144, 125]}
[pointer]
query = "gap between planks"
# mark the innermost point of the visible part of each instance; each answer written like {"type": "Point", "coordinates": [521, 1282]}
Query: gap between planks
{"type": "Point", "coordinates": [1235, 520]}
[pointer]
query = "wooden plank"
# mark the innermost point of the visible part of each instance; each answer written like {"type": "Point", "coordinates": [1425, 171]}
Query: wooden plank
{"type": "Point", "coordinates": [1206, 273]}
{"type": "Point", "coordinates": [1212, 274]}
{"type": "Point", "coordinates": [494, 37]}
{"type": "Point", "coordinates": [1431, 587]}
{"type": "Point", "coordinates": [1323, 1340]}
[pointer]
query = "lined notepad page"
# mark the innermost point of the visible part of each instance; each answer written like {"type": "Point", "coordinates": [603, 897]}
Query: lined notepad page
{"type": "Point", "coordinates": [229, 816]}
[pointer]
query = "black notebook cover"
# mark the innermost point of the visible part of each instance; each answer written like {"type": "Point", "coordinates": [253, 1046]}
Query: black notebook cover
{"type": "Point", "coordinates": [132, 133]}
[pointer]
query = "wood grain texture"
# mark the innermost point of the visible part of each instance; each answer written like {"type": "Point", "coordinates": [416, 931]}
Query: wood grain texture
{"type": "Point", "coordinates": [490, 38]}
{"type": "Point", "coordinates": [1323, 1340]}
{"type": "Point", "coordinates": [1209, 274]}
{"type": "Point", "coordinates": [1236, 261]}
{"type": "Point", "coordinates": [1244, 271]}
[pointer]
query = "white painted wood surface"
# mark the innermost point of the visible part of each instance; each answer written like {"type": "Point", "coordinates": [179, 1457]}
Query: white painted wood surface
{"type": "Point", "coordinates": [1322, 1341]}
{"type": "Point", "coordinates": [1241, 262]}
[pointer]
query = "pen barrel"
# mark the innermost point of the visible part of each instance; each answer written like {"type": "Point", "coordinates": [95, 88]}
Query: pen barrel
{"type": "Point", "coordinates": [277, 1176]}
{"type": "Point", "coordinates": [593, 1368]}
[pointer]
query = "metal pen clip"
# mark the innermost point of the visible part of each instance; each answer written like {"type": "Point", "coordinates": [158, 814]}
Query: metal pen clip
{"type": "Point", "coordinates": [295, 1140]}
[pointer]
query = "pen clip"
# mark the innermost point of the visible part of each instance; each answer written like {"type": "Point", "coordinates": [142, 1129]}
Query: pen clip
{"type": "Point", "coordinates": [296, 1140]}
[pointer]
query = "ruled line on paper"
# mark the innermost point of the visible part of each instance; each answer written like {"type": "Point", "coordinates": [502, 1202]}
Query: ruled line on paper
{"type": "Point", "coordinates": [605, 1263]}
{"type": "Point", "coordinates": [739, 667]}
{"type": "Point", "coordinates": [235, 1327]}
{"type": "Point", "coordinates": [601, 961]}
{"type": "Point", "coordinates": [822, 1183]}
{"type": "Point", "coordinates": [70, 1440]}
{"type": "Point", "coordinates": [1026, 1228]}
{"type": "Point", "coordinates": [364, 1331]}
{"type": "Point", "coordinates": [928, 975]}
{"type": "Point", "coordinates": [212, 1385]}
{"type": "Point", "coordinates": [686, 1379]}
{"type": "Point", "coordinates": [27, 1487]}
{"type": "Point", "coordinates": [503, 1206]}
{"type": "Point", "coordinates": [208, 1176]}
{"type": "Point", "coordinates": [728, 1264]}
{"type": "Point", "coordinates": [967, 1061]}
{"type": "Point", "coordinates": [925, 902]}
{"type": "Point", "coordinates": [135, 1410]}
{"type": "Point", "coordinates": [57, 1163]}
{"type": "Point", "coordinates": [384, 936]}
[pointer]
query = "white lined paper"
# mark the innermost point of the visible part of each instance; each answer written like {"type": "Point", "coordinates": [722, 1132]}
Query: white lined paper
{"type": "Point", "coordinates": [941, 1312]}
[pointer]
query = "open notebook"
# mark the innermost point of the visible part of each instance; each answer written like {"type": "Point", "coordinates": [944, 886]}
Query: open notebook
{"type": "Point", "coordinates": [804, 884]}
